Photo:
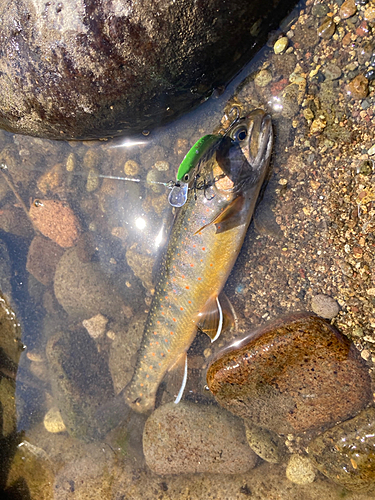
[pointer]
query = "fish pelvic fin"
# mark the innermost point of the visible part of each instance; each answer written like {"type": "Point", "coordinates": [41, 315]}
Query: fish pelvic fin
{"type": "Point", "coordinates": [217, 315]}
{"type": "Point", "coordinates": [183, 385]}
{"type": "Point", "coordinates": [228, 218]}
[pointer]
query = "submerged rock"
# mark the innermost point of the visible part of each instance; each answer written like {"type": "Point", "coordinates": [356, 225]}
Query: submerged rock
{"type": "Point", "coordinates": [31, 474]}
{"type": "Point", "coordinates": [346, 453]}
{"type": "Point", "coordinates": [294, 375]}
{"type": "Point", "coordinates": [83, 289]}
{"type": "Point", "coordinates": [56, 220]}
{"type": "Point", "coordinates": [87, 69]}
{"type": "Point", "coordinates": [80, 381]}
{"type": "Point", "coordinates": [300, 470]}
{"type": "Point", "coordinates": [188, 438]}
{"type": "Point", "coordinates": [266, 444]}
{"type": "Point", "coordinates": [42, 259]}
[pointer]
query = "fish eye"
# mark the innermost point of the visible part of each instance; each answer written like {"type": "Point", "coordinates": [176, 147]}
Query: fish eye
{"type": "Point", "coordinates": [186, 177]}
{"type": "Point", "coordinates": [240, 134]}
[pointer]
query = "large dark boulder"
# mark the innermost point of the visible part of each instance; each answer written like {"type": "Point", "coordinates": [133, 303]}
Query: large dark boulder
{"type": "Point", "coordinates": [94, 68]}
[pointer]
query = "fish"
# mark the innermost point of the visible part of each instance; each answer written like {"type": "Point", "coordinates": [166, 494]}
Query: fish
{"type": "Point", "coordinates": [206, 237]}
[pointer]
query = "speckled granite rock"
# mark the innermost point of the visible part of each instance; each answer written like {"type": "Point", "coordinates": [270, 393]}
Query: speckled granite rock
{"type": "Point", "coordinates": [346, 454]}
{"type": "Point", "coordinates": [83, 289]}
{"type": "Point", "coordinates": [86, 69]}
{"type": "Point", "coordinates": [188, 438]}
{"type": "Point", "coordinates": [293, 375]}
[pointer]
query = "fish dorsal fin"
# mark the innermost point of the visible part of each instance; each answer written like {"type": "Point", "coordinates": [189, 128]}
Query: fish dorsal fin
{"type": "Point", "coordinates": [216, 315]}
{"type": "Point", "coordinates": [228, 218]}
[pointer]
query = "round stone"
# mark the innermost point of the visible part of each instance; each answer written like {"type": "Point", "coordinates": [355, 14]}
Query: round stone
{"type": "Point", "coordinates": [358, 87]}
{"type": "Point", "coordinates": [347, 9]}
{"type": "Point", "coordinates": [192, 438]}
{"type": "Point", "coordinates": [324, 306]}
{"type": "Point", "coordinates": [294, 375]}
{"type": "Point", "coordinates": [281, 45]}
{"type": "Point", "coordinates": [263, 78]}
{"type": "Point", "coordinates": [327, 29]}
{"type": "Point", "coordinates": [300, 470]}
{"type": "Point", "coordinates": [53, 421]}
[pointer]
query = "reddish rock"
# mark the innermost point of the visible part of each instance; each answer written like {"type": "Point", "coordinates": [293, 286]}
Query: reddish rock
{"type": "Point", "coordinates": [297, 374]}
{"type": "Point", "coordinates": [42, 259]}
{"type": "Point", "coordinates": [56, 220]}
{"type": "Point", "coordinates": [362, 29]}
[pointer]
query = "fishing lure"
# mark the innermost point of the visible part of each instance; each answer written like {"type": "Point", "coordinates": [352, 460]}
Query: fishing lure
{"type": "Point", "coordinates": [178, 195]}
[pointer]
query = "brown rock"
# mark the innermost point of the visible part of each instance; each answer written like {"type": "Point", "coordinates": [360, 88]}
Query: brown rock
{"type": "Point", "coordinates": [358, 87]}
{"type": "Point", "coordinates": [42, 259]}
{"type": "Point", "coordinates": [327, 29]}
{"type": "Point", "coordinates": [347, 9]}
{"type": "Point", "coordinates": [56, 220]}
{"type": "Point", "coordinates": [294, 375]}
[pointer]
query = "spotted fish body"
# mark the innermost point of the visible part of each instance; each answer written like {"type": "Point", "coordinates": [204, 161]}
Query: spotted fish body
{"type": "Point", "coordinates": [205, 240]}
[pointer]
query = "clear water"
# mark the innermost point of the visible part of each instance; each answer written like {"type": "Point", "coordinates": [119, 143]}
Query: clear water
{"type": "Point", "coordinates": [125, 226]}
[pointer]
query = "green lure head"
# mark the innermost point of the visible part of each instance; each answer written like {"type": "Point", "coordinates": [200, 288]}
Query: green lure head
{"type": "Point", "coordinates": [194, 155]}
{"type": "Point", "coordinates": [178, 195]}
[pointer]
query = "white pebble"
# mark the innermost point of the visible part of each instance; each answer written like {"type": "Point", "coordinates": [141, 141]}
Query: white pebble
{"type": "Point", "coordinates": [53, 421]}
{"type": "Point", "coordinates": [96, 325]}
{"type": "Point", "coordinates": [280, 45]}
{"type": "Point", "coordinates": [300, 470]}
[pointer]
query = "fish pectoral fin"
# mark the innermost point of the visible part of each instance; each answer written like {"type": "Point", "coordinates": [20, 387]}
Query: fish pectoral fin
{"type": "Point", "coordinates": [228, 218]}
{"type": "Point", "coordinates": [217, 314]}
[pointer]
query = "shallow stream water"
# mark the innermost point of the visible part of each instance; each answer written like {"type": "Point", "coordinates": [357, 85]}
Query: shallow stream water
{"type": "Point", "coordinates": [78, 246]}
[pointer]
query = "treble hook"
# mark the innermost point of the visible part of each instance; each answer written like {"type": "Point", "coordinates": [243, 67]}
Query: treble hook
{"type": "Point", "coordinates": [226, 130]}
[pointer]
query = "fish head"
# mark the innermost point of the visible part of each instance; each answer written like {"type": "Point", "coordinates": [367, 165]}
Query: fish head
{"type": "Point", "coordinates": [243, 156]}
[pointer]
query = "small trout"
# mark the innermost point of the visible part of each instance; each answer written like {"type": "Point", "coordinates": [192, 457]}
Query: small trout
{"type": "Point", "coordinates": [205, 240]}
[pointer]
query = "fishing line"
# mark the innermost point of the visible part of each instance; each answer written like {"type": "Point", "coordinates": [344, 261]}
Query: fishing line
{"type": "Point", "coordinates": [4, 168]}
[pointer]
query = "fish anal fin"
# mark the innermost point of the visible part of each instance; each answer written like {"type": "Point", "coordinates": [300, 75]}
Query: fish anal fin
{"type": "Point", "coordinates": [228, 218]}
{"type": "Point", "coordinates": [216, 316]}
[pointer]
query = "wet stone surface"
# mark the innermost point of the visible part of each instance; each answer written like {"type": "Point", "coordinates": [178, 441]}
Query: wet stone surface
{"type": "Point", "coordinates": [103, 69]}
{"type": "Point", "coordinates": [346, 453]}
{"type": "Point", "coordinates": [296, 375]}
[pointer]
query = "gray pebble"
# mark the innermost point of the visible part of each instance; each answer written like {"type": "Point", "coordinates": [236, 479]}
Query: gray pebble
{"type": "Point", "coordinates": [332, 72]}
{"type": "Point", "coordinates": [324, 306]}
{"type": "Point", "coordinates": [319, 10]}
{"type": "Point", "coordinates": [365, 104]}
